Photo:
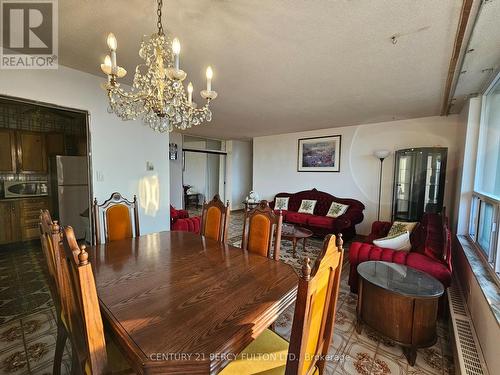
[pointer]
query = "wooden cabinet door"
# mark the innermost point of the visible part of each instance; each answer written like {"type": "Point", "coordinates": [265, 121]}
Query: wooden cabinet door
{"type": "Point", "coordinates": [31, 150]}
{"type": "Point", "coordinates": [7, 151]}
{"type": "Point", "coordinates": [29, 213]}
{"type": "Point", "coordinates": [10, 230]}
{"type": "Point", "coordinates": [54, 144]}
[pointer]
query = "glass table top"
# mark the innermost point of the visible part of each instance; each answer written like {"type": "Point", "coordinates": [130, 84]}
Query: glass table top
{"type": "Point", "coordinates": [400, 279]}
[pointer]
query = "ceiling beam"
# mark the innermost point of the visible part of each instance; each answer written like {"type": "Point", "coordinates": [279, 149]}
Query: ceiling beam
{"type": "Point", "coordinates": [459, 45]}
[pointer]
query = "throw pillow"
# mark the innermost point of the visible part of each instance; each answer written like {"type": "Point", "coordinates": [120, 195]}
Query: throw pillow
{"type": "Point", "coordinates": [337, 209]}
{"type": "Point", "coordinates": [399, 227]}
{"type": "Point", "coordinates": [398, 242]}
{"type": "Point", "coordinates": [307, 206]}
{"type": "Point", "coordinates": [281, 203]}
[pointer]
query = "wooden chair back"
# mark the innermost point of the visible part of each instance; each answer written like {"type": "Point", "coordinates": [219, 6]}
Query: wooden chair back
{"type": "Point", "coordinates": [215, 219]}
{"type": "Point", "coordinates": [81, 306]}
{"type": "Point", "coordinates": [313, 322]}
{"type": "Point", "coordinates": [262, 231]}
{"type": "Point", "coordinates": [49, 241]}
{"type": "Point", "coordinates": [116, 218]}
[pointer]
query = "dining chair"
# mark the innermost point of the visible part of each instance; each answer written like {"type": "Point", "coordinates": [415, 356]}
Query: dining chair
{"type": "Point", "coordinates": [215, 219]}
{"type": "Point", "coordinates": [313, 323]}
{"type": "Point", "coordinates": [49, 239]}
{"type": "Point", "coordinates": [92, 353]}
{"type": "Point", "coordinates": [116, 218]}
{"type": "Point", "coordinates": [262, 231]}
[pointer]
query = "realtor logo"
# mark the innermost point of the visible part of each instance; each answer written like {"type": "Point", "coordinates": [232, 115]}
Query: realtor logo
{"type": "Point", "coordinates": [29, 34]}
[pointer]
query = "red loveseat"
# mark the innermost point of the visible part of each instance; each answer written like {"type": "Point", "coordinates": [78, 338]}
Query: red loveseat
{"type": "Point", "coordinates": [180, 221]}
{"type": "Point", "coordinates": [318, 222]}
{"type": "Point", "coordinates": [430, 252]}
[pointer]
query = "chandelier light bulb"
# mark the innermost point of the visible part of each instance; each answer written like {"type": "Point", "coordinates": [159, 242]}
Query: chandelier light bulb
{"type": "Point", "coordinates": [107, 61]}
{"type": "Point", "coordinates": [112, 43]}
{"type": "Point", "coordinates": [106, 67]}
{"type": "Point", "coordinates": [190, 93]}
{"type": "Point", "coordinates": [210, 73]}
{"type": "Point", "coordinates": [176, 46]}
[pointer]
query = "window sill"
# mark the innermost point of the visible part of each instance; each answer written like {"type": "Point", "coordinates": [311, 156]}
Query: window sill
{"type": "Point", "coordinates": [487, 283]}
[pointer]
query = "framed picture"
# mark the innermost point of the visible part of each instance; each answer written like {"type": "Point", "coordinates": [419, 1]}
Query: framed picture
{"type": "Point", "coordinates": [319, 154]}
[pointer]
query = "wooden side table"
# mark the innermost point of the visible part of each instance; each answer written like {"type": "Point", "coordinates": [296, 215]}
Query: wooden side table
{"type": "Point", "coordinates": [295, 233]}
{"type": "Point", "coordinates": [400, 303]}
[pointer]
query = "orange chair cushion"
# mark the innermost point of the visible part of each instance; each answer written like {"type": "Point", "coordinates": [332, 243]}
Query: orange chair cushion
{"type": "Point", "coordinates": [259, 235]}
{"type": "Point", "coordinates": [212, 223]}
{"type": "Point", "coordinates": [118, 223]}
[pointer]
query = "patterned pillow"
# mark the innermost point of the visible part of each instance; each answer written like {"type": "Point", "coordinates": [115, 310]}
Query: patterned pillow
{"type": "Point", "coordinates": [307, 206]}
{"type": "Point", "coordinates": [399, 227]}
{"type": "Point", "coordinates": [337, 209]}
{"type": "Point", "coordinates": [400, 241]}
{"type": "Point", "coordinates": [281, 203]}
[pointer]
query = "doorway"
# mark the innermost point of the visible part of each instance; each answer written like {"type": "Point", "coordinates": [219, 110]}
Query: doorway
{"type": "Point", "coordinates": [44, 164]}
{"type": "Point", "coordinates": [203, 172]}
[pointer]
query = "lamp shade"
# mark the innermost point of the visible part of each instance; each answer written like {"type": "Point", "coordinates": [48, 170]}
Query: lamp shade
{"type": "Point", "coordinates": [381, 154]}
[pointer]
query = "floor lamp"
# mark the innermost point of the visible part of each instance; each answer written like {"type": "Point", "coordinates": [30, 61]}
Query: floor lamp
{"type": "Point", "coordinates": [381, 155]}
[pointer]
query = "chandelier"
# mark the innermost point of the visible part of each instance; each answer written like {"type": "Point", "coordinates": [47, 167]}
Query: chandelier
{"type": "Point", "coordinates": [157, 95]}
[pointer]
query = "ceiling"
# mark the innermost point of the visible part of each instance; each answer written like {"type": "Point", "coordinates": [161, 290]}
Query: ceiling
{"type": "Point", "coordinates": [481, 61]}
{"type": "Point", "coordinates": [284, 65]}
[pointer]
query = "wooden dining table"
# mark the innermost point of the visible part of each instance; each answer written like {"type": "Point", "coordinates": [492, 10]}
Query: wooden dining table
{"type": "Point", "coordinates": [180, 303]}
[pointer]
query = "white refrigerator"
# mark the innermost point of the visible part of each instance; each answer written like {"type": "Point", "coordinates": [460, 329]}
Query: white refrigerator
{"type": "Point", "coordinates": [69, 177]}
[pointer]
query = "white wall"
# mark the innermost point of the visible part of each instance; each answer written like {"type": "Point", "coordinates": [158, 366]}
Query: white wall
{"type": "Point", "coordinates": [176, 190]}
{"type": "Point", "coordinates": [241, 172]}
{"type": "Point", "coordinates": [275, 161]}
{"type": "Point", "coordinates": [119, 150]}
{"type": "Point", "coordinates": [469, 118]}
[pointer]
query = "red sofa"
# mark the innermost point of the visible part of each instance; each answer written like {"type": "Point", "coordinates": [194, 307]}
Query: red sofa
{"type": "Point", "coordinates": [180, 221]}
{"type": "Point", "coordinates": [318, 222]}
{"type": "Point", "coordinates": [431, 249]}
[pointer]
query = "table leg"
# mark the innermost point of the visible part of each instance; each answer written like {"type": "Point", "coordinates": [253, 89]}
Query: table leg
{"type": "Point", "coordinates": [294, 247]}
{"type": "Point", "coordinates": [358, 325]}
{"type": "Point", "coordinates": [411, 355]}
{"type": "Point", "coordinates": [304, 245]}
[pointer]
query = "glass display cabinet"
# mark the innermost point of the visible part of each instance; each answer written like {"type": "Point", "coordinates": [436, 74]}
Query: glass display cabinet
{"type": "Point", "coordinates": [419, 178]}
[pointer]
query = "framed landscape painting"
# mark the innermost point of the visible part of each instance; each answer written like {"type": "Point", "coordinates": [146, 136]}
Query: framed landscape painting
{"type": "Point", "coordinates": [319, 154]}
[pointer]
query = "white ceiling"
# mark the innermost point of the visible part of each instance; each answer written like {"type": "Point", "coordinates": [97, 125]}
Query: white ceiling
{"type": "Point", "coordinates": [284, 65]}
{"type": "Point", "coordinates": [482, 62]}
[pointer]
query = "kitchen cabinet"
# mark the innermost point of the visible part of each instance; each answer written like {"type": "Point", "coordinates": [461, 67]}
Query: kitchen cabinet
{"type": "Point", "coordinates": [54, 144]}
{"type": "Point", "coordinates": [10, 230]}
{"type": "Point", "coordinates": [31, 152]}
{"type": "Point", "coordinates": [19, 218]}
{"type": "Point", "coordinates": [29, 215]}
{"type": "Point", "coordinates": [7, 151]}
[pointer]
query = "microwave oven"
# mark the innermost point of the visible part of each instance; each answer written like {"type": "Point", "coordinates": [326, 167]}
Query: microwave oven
{"type": "Point", "coordinates": [20, 189]}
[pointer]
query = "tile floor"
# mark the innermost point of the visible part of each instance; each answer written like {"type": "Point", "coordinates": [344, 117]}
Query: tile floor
{"type": "Point", "coordinates": [28, 327]}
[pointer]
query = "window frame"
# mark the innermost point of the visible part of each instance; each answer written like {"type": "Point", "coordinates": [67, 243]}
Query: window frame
{"type": "Point", "coordinates": [492, 259]}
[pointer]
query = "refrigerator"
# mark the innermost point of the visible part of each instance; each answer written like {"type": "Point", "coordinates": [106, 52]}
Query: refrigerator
{"type": "Point", "coordinates": [70, 193]}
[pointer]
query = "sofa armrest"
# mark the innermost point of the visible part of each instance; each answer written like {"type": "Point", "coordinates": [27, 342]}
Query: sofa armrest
{"type": "Point", "coordinates": [380, 229]}
{"type": "Point", "coordinates": [182, 214]}
{"type": "Point", "coordinates": [355, 216]}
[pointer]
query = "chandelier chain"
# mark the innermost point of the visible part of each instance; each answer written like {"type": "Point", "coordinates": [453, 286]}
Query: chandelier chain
{"type": "Point", "coordinates": [158, 12]}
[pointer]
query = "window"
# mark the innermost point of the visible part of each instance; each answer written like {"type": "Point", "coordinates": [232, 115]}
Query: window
{"type": "Point", "coordinates": [488, 164]}
{"type": "Point", "coordinates": [485, 205]}
{"type": "Point", "coordinates": [483, 227]}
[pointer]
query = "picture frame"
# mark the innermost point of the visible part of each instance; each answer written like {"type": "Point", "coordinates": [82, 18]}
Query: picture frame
{"type": "Point", "coordinates": [319, 154]}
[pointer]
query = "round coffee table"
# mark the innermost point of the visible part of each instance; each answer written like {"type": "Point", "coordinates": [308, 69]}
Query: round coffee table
{"type": "Point", "coordinates": [295, 233]}
{"type": "Point", "coordinates": [400, 303]}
